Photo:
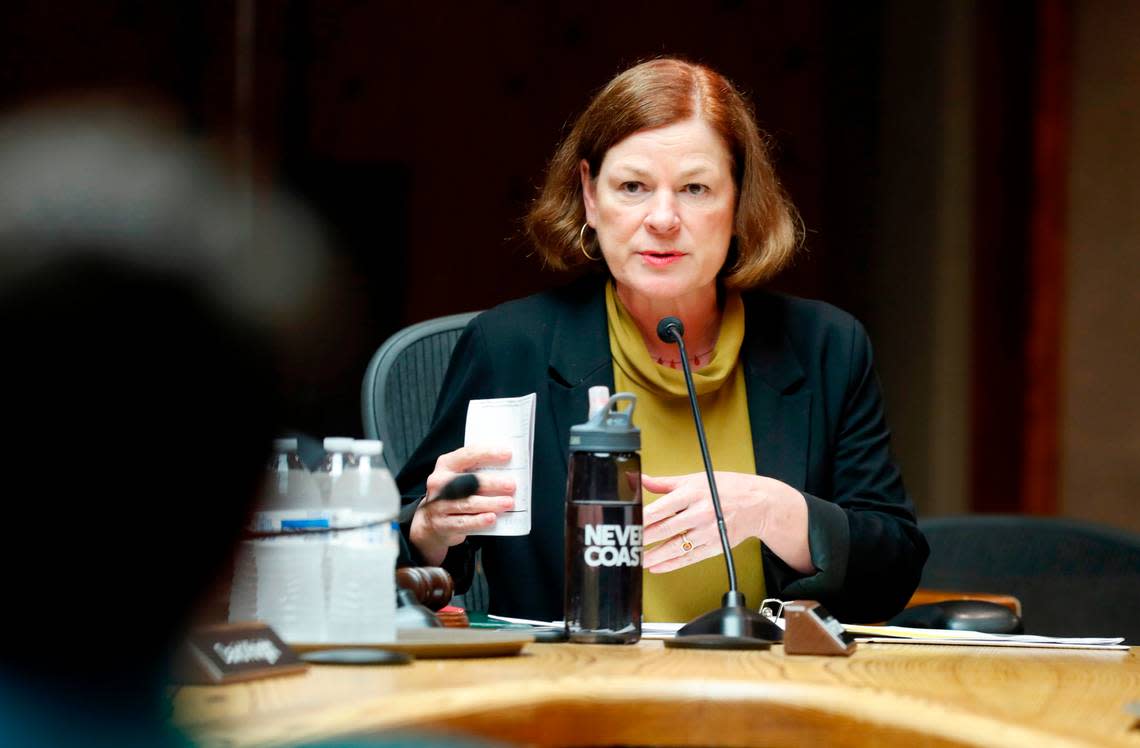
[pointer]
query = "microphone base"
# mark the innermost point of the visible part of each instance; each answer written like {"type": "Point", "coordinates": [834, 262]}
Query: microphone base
{"type": "Point", "coordinates": [716, 641]}
{"type": "Point", "coordinates": [731, 626]}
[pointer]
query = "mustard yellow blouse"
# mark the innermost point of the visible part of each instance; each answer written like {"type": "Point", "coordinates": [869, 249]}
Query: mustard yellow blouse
{"type": "Point", "coordinates": [669, 447]}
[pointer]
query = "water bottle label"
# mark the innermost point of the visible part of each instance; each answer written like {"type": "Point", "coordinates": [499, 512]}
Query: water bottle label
{"type": "Point", "coordinates": [297, 524]}
{"type": "Point", "coordinates": [301, 519]}
{"type": "Point", "coordinates": [612, 545]}
{"type": "Point", "coordinates": [603, 571]}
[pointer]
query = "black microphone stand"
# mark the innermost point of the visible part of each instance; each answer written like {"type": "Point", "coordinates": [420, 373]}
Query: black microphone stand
{"type": "Point", "coordinates": [733, 625]}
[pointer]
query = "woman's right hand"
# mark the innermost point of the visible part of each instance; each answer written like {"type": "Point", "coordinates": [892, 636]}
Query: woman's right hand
{"type": "Point", "coordinates": [438, 525]}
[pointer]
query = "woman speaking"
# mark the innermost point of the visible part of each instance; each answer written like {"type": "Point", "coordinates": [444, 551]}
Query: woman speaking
{"type": "Point", "coordinates": [664, 184]}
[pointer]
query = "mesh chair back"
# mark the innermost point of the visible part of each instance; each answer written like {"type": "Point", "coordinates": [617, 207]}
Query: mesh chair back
{"type": "Point", "coordinates": [1073, 578]}
{"type": "Point", "coordinates": [402, 383]}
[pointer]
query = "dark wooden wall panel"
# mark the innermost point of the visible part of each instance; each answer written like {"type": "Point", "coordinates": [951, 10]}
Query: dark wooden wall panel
{"type": "Point", "coordinates": [1003, 168]}
{"type": "Point", "coordinates": [1048, 245]}
{"type": "Point", "coordinates": [419, 131]}
{"type": "Point", "coordinates": [1024, 71]}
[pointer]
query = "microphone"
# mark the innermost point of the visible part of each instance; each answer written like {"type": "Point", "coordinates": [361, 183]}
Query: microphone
{"type": "Point", "coordinates": [670, 330]}
{"type": "Point", "coordinates": [733, 625]}
{"type": "Point", "coordinates": [459, 487]}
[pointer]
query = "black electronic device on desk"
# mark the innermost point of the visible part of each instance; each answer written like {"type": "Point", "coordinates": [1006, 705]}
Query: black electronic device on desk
{"type": "Point", "coordinates": [961, 615]}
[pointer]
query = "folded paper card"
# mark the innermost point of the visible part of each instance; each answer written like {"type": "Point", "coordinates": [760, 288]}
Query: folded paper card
{"type": "Point", "coordinates": [506, 422]}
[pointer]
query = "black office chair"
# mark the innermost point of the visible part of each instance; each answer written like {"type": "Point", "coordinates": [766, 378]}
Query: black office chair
{"type": "Point", "coordinates": [402, 383]}
{"type": "Point", "coordinates": [1072, 578]}
{"type": "Point", "coordinates": [398, 397]}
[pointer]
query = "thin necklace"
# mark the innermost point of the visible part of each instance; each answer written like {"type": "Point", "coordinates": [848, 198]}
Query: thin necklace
{"type": "Point", "coordinates": [695, 359]}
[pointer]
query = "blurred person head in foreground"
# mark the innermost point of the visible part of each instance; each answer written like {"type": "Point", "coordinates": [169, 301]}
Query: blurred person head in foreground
{"type": "Point", "coordinates": [142, 299]}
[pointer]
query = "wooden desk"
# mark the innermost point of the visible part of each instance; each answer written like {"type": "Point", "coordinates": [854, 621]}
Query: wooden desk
{"type": "Point", "coordinates": [597, 695]}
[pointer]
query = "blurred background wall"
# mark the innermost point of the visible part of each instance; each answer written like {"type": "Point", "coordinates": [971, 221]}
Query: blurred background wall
{"type": "Point", "coordinates": [967, 173]}
{"type": "Point", "coordinates": [1100, 430]}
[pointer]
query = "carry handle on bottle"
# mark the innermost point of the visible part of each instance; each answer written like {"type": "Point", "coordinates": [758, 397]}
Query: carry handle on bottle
{"type": "Point", "coordinates": [608, 422]}
{"type": "Point", "coordinates": [611, 417]}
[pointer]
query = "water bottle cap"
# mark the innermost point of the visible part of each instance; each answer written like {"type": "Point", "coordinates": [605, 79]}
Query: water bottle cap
{"type": "Point", "coordinates": [339, 443]}
{"type": "Point", "coordinates": [284, 445]}
{"type": "Point", "coordinates": [608, 430]}
{"type": "Point", "coordinates": [371, 447]}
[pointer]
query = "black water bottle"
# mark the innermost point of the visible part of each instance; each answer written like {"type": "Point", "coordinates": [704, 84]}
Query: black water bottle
{"type": "Point", "coordinates": [603, 527]}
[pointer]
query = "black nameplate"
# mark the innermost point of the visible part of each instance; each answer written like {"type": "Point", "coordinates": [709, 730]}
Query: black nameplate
{"type": "Point", "coordinates": [233, 652]}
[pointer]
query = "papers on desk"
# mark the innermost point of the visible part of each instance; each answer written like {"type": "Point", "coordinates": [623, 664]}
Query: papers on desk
{"type": "Point", "coordinates": [899, 635]}
{"type": "Point", "coordinates": [648, 630]}
{"type": "Point", "coordinates": [506, 422]}
{"type": "Point", "coordinates": [905, 635]}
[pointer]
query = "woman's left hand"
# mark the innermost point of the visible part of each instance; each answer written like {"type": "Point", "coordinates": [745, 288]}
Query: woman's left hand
{"type": "Point", "coordinates": [754, 507]}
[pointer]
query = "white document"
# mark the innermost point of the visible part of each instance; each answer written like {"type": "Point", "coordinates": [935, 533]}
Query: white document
{"type": "Point", "coordinates": [648, 630]}
{"type": "Point", "coordinates": [995, 643]}
{"type": "Point", "coordinates": [905, 635]}
{"type": "Point", "coordinates": [506, 422]}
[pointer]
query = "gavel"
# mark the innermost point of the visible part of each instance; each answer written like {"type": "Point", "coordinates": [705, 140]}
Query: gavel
{"type": "Point", "coordinates": [430, 585]}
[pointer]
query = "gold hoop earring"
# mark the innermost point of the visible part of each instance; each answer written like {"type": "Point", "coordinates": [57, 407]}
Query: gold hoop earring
{"type": "Point", "coordinates": [582, 243]}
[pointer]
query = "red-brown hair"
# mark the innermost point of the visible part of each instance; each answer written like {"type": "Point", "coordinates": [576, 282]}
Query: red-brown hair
{"type": "Point", "coordinates": [655, 94]}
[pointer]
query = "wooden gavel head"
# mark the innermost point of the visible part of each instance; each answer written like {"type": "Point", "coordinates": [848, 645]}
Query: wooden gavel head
{"type": "Point", "coordinates": [431, 585]}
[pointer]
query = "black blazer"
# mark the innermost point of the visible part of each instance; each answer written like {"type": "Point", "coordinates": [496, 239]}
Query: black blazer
{"type": "Point", "coordinates": [817, 422]}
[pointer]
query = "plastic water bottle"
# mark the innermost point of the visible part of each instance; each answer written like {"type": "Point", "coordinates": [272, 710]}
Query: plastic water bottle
{"type": "Point", "coordinates": [289, 484]}
{"type": "Point", "coordinates": [339, 459]}
{"type": "Point", "coordinates": [280, 580]}
{"type": "Point", "coordinates": [329, 575]}
{"type": "Point", "coordinates": [603, 527]}
{"type": "Point", "coordinates": [377, 488]}
{"type": "Point", "coordinates": [362, 561]}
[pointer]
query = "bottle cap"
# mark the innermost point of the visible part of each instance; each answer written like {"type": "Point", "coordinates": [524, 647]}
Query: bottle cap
{"type": "Point", "coordinates": [339, 443]}
{"type": "Point", "coordinates": [608, 430]}
{"type": "Point", "coordinates": [284, 445]}
{"type": "Point", "coordinates": [371, 447]}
